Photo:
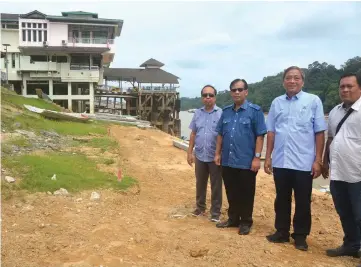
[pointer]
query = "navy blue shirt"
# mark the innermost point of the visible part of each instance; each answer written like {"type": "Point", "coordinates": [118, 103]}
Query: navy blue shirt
{"type": "Point", "coordinates": [239, 130]}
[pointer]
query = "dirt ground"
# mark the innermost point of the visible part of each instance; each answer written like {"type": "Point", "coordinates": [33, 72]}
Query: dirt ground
{"type": "Point", "coordinates": [150, 225]}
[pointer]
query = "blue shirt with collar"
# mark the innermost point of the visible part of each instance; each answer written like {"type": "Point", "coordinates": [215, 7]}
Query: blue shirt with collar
{"type": "Point", "coordinates": [204, 124]}
{"type": "Point", "coordinates": [295, 121]}
{"type": "Point", "coordinates": [239, 129]}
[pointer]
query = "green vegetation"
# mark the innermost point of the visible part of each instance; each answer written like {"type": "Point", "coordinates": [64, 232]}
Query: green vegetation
{"type": "Point", "coordinates": [12, 99]}
{"type": "Point", "coordinates": [37, 123]}
{"type": "Point", "coordinates": [321, 79]}
{"type": "Point", "coordinates": [29, 120]}
{"type": "Point", "coordinates": [104, 143]}
{"type": "Point", "coordinates": [109, 161]}
{"type": "Point", "coordinates": [73, 172]}
{"type": "Point", "coordinates": [19, 141]}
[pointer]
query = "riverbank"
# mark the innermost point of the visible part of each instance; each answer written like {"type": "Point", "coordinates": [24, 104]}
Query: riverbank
{"type": "Point", "coordinates": [151, 224]}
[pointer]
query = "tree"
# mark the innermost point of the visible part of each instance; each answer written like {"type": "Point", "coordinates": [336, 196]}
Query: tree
{"type": "Point", "coordinates": [321, 79]}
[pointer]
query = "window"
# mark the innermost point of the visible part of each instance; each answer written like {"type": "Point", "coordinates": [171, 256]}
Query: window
{"type": "Point", "coordinates": [38, 58]}
{"type": "Point", "coordinates": [29, 35]}
{"type": "Point", "coordinates": [59, 59]}
{"type": "Point", "coordinates": [79, 88]}
{"type": "Point", "coordinates": [31, 87]}
{"type": "Point", "coordinates": [60, 88]}
{"type": "Point", "coordinates": [13, 60]}
{"type": "Point", "coordinates": [12, 26]}
{"type": "Point", "coordinates": [45, 25]}
{"type": "Point", "coordinates": [34, 32]}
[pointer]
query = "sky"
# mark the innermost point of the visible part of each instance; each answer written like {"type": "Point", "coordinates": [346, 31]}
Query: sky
{"type": "Point", "coordinates": [216, 42]}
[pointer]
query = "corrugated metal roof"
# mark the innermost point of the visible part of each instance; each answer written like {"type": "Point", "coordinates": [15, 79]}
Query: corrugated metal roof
{"type": "Point", "coordinates": [9, 17]}
{"type": "Point", "coordinates": [140, 75]}
{"type": "Point", "coordinates": [77, 13]}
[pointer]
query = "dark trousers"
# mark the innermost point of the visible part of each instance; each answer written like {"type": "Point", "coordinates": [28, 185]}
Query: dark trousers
{"type": "Point", "coordinates": [300, 182]}
{"type": "Point", "coordinates": [203, 171]}
{"type": "Point", "coordinates": [240, 189]}
{"type": "Point", "coordinates": [347, 200]}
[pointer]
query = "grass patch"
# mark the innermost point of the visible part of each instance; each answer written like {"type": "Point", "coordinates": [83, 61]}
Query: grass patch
{"type": "Point", "coordinates": [38, 123]}
{"type": "Point", "coordinates": [30, 120]}
{"type": "Point", "coordinates": [18, 101]}
{"type": "Point", "coordinates": [74, 173]}
{"type": "Point", "coordinates": [104, 143]}
{"type": "Point", "coordinates": [109, 161]}
{"type": "Point", "coordinates": [19, 141]}
{"type": "Point", "coordinates": [6, 148]}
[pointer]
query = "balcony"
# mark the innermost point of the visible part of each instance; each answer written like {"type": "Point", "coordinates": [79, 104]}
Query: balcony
{"type": "Point", "coordinates": [83, 67]}
{"type": "Point", "coordinates": [27, 65]}
{"type": "Point", "coordinates": [93, 42]}
{"type": "Point", "coordinates": [79, 73]}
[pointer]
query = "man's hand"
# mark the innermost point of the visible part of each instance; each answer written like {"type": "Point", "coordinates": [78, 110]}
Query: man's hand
{"type": "Point", "coordinates": [217, 159]}
{"type": "Point", "coordinates": [325, 170]}
{"type": "Point", "coordinates": [316, 169]}
{"type": "Point", "coordinates": [190, 159]}
{"type": "Point", "coordinates": [268, 166]}
{"type": "Point", "coordinates": [256, 164]}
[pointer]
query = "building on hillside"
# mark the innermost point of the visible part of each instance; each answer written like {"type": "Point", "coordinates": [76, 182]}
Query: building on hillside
{"type": "Point", "coordinates": [63, 55]}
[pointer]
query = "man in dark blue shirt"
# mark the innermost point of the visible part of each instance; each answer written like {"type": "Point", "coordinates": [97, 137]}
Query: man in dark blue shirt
{"type": "Point", "coordinates": [241, 130]}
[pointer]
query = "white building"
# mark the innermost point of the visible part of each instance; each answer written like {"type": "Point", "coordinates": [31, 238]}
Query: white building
{"type": "Point", "coordinates": [63, 55]}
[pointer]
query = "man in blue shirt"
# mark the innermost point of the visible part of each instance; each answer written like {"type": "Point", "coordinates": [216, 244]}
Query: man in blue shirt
{"type": "Point", "coordinates": [203, 139]}
{"type": "Point", "coordinates": [295, 125]}
{"type": "Point", "coordinates": [241, 129]}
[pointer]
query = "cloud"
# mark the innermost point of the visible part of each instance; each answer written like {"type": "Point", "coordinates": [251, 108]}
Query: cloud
{"type": "Point", "coordinates": [225, 40]}
{"type": "Point", "coordinates": [325, 24]}
{"type": "Point", "coordinates": [189, 64]}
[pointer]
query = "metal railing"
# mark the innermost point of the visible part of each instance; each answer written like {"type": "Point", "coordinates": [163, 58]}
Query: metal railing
{"type": "Point", "coordinates": [157, 88]}
{"type": "Point", "coordinates": [83, 67]}
{"type": "Point", "coordinates": [90, 40]}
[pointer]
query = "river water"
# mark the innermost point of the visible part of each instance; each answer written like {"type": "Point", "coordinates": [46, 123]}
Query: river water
{"type": "Point", "coordinates": [186, 118]}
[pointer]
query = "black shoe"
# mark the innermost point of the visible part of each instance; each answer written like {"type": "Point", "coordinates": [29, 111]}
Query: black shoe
{"type": "Point", "coordinates": [278, 237]}
{"type": "Point", "coordinates": [244, 230]}
{"type": "Point", "coordinates": [227, 224]}
{"type": "Point", "coordinates": [300, 243]}
{"type": "Point", "coordinates": [198, 212]}
{"type": "Point", "coordinates": [342, 251]}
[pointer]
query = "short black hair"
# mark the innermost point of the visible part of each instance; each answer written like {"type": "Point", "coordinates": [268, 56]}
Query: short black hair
{"type": "Point", "coordinates": [211, 86]}
{"type": "Point", "coordinates": [239, 80]}
{"type": "Point", "coordinates": [294, 68]}
{"type": "Point", "coordinates": [357, 75]}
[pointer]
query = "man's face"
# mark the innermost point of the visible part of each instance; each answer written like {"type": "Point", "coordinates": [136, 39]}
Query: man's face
{"type": "Point", "coordinates": [208, 97]}
{"type": "Point", "coordinates": [293, 82]}
{"type": "Point", "coordinates": [349, 90]}
{"type": "Point", "coordinates": [239, 92]}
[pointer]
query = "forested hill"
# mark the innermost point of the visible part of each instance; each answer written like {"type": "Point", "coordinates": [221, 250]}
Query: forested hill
{"type": "Point", "coordinates": [321, 79]}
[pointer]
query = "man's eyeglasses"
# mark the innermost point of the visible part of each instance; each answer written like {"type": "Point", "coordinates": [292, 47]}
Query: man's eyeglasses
{"type": "Point", "coordinates": [207, 95]}
{"type": "Point", "coordinates": [237, 89]}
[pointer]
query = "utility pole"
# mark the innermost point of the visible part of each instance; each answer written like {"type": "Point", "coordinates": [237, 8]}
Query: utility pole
{"type": "Point", "coordinates": [6, 62]}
